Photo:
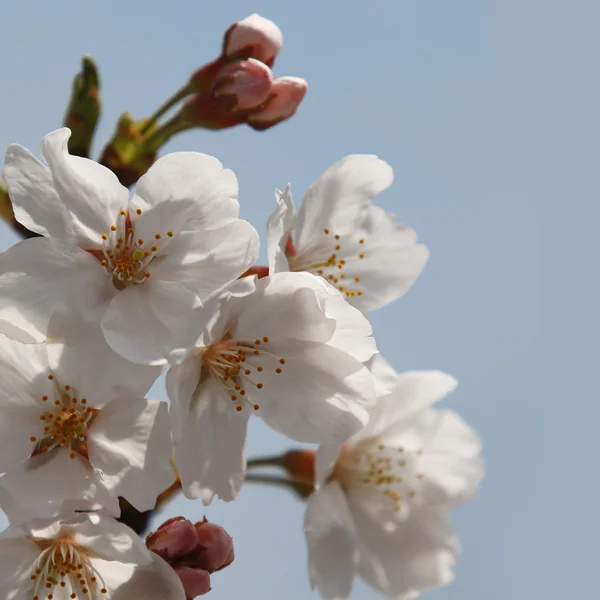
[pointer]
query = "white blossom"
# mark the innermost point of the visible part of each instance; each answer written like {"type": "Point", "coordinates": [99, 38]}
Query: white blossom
{"type": "Point", "coordinates": [340, 235]}
{"type": "Point", "coordinates": [85, 556]}
{"type": "Point", "coordinates": [140, 266]}
{"type": "Point", "coordinates": [287, 348]}
{"type": "Point", "coordinates": [75, 427]}
{"type": "Point", "coordinates": [380, 511]}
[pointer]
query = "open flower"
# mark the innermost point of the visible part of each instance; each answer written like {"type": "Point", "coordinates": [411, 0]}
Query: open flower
{"type": "Point", "coordinates": [86, 556]}
{"type": "Point", "coordinates": [287, 348]}
{"type": "Point", "coordinates": [75, 428]}
{"type": "Point", "coordinates": [339, 235]}
{"type": "Point", "coordinates": [139, 266]}
{"type": "Point", "coordinates": [380, 510]}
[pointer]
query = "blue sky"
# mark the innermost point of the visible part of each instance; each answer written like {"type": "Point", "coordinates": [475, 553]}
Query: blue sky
{"type": "Point", "coordinates": [488, 112]}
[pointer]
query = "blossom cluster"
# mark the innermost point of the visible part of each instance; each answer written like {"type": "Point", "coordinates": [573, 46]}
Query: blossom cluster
{"type": "Point", "coordinates": [118, 288]}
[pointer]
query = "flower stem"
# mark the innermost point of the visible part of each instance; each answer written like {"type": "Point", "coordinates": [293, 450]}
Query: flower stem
{"type": "Point", "coordinates": [179, 95]}
{"type": "Point", "coordinates": [265, 461]}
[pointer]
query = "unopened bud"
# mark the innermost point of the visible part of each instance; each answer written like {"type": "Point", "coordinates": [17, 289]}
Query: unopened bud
{"type": "Point", "coordinates": [244, 84]}
{"type": "Point", "coordinates": [176, 537]}
{"type": "Point", "coordinates": [196, 582]}
{"type": "Point", "coordinates": [284, 99]}
{"type": "Point", "coordinates": [84, 108]}
{"type": "Point", "coordinates": [204, 110]}
{"type": "Point", "coordinates": [215, 550]}
{"type": "Point", "coordinates": [254, 37]}
{"type": "Point", "coordinates": [300, 464]}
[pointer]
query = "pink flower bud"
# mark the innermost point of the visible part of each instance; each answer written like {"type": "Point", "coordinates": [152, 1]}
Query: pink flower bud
{"type": "Point", "coordinates": [215, 547]}
{"type": "Point", "coordinates": [174, 538]}
{"type": "Point", "coordinates": [204, 110]}
{"type": "Point", "coordinates": [284, 99]}
{"type": "Point", "coordinates": [254, 37]}
{"type": "Point", "coordinates": [196, 582]}
{"type": "Point", "coordinates": [243, 84]}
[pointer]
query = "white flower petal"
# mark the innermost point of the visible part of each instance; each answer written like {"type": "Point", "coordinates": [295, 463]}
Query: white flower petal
{"type": "Point", "coordinates": [326, 393]}
{"type": "Point", "coordinates": [108, 539]}
{"type": "Point", "coordinates": [90, 192]}
{"type": "Point", "coordinates": [279, 226]}
{"type": "Point", "coordinates": [44, 483]}
{"type": "Point", "coordinates": [451, 459]}
{"type": "Point", "coordinates": [41, 276]}
{"type": "Point", "coordinates": [331, 541]}
{"type": "Point", "coordinates": [181, 177]}
{"type": "Point", "coordinates": [95, 371]}
{"type": "Point", "coordinates": [211, 456]}
{"type": "Point", "coordinates": [335, 200]}
{"type": "Point", "coordinates": [418, 555]}
{"type": "Point", "coordinates": [205, 260]}
{"type": "Point", "coordinates": [325, 461]}
{"type": "Point", "coordinates": [285, 307]}
{"type": "Point", "coordinates": [17, 557]}
{"type": "Point", "coordinates": [36, 203]}
{"type": "Point", "coordinates": [181, 383]}
{"type": "Point", "coordinates": [414, 392]}
{"type": "Point", "coordinates": [147, 322]}
{"type": "Point", "coordinates": [130, 442]}
{"type": "Point", "coordinates": [157, 581]}
{"type": "Point", "coordinates": [384, 374]}
{"type": "Point", "coordinates": [392, 259]}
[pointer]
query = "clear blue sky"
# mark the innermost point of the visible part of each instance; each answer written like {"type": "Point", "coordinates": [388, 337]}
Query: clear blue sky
{"type": "Point", "coordinates": [488, 112]}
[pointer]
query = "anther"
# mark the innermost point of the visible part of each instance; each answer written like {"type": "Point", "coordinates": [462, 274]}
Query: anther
{"type": "Point", "coordinates": [282, 361]}
{"type": "Point", "coordinates": [44, 398]}
{"type": "Point", "coordinates": [259, 369]}
{"type": "Point", "coordinates": [238, 408]}
{"type": "Point", "coordinates": [157, 236]}
{"type": "Point", "coordinates": [256, 407]}
{"type": "Point", "coordinates": [113, 227]}
{"type": "Point", "coordinates": [361, 255]}
{"type": "Point", "coordinates": [170, 233]}
{"type": "Point", "coordinates": [356, 278]}
{"type": "Point", "coordinates": [139, 211]}
{"type": "Point", "coordinates": [259, 386]}
{"type": "Point", "coordinates": [104, 236]}
{"type": "Point", "coordinates": [277, 370]}
{"type": "Point", "coordinates": [326, 231]}
{"type": "Point", "coordinates": [337, 237]}
{"type": "Point", "coordinates": [361, 241]}
{"type": "Point", "coordinates": [50, 377]}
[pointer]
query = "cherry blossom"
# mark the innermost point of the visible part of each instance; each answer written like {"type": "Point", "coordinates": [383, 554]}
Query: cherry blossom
{"type": "Point", "coordinates": [75, 427]}
{"type": "Point", "coordinates": [84, 556]}
{"type": "Point", "coordinates": [340, 235]}
{"type": "Point", "coordinates": [286, 348]}
{"type": "Point", "coordinates": [140, 266]}
{"type": "Point", "coordinates": [380, 511]}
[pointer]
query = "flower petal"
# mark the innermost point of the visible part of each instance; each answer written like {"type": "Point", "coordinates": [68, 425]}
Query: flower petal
{"type": "Point", "coordinates": [90, 192]}
{"type": "Point", "coordinates": [335, 200]}
{"type": "Point", "coordinates": [182, 177]}
{"type": "Point", "coordinates": [418, 555]}
{"type": "Point", "coordinates": [451, 459]}
{"type": "Point", "coordinates": [46, 483]}
{"type": "Point", "coordinates": [285, 307]}
{"type": "Point", "coordinates": [327, 393]}
{"type": "Point", "coordinates": [108, 539]}
{"type": "Point", "coordinates": [77, 364]}
{"type": "Point", "coordinates": [147, 322]}
{"type": "Point", "coordinates": [325, 462]}
{"type": "Point", "coordinates": [130, 442]}
{"type": "Point", "coordinates": [414, 392]}
{"type": "Point", "coordinates": [156, 581]}
{"type": "Point", "coordinates": [279, 226]}
{"type": "Point", "coordinates": [331, 541]}
{"type": "Point", "coordinates": [40, 276]}
{"type": "Point", "coordinates": [205, 260]}
{"type": "Point", "coordinates": [211, 454]}
{"type": "Point", "coordinates": [17, 560]}
{"type": "Point", "coordinates": [36, 203]}
{"type": "Point", "coordinates": [386, 264]}
{"type": "Point", "coordinates": [384, 374]}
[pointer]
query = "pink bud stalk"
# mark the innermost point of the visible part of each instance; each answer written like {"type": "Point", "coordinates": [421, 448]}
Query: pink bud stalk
{"type": "Point", "coordinates": [253, 37]}
{"type": "Point", "coordinates": [243, 84]}
{"type": "Point", "coordinates": [284, 99]}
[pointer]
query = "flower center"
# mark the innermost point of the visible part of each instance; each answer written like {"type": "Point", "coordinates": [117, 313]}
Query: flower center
{"type": "Point", "coordinates": [63, 565]}
{"type": "Point", "coordinates": [65, 423]}
{"type": "Point", "coordinates": [334, 259]}
{"type": "Point", "coordinates": [125, 257]}
{"type": "Point", "coordinates": [374, 468]}
{"type": "Point", "coordinates": [238, 365]}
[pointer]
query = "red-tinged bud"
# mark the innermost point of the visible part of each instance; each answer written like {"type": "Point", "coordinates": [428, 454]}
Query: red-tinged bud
{"type": "Point", "coordinates": [284, 99]}
{"type": "Point", "coordinates": [204, 110]}
{"type": "Point", "coordinates": [243, 84]}
{"type": "Point", "coordinates": [254, 37]}
{"type": "Point", "coordinates": [196, 582]}
{"type": "Point", "coordinates": [215, 547]}
{"type": "Point", "coordinates": [300, 464]}
{"type": "Point", "coordinates": [174, 538]}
